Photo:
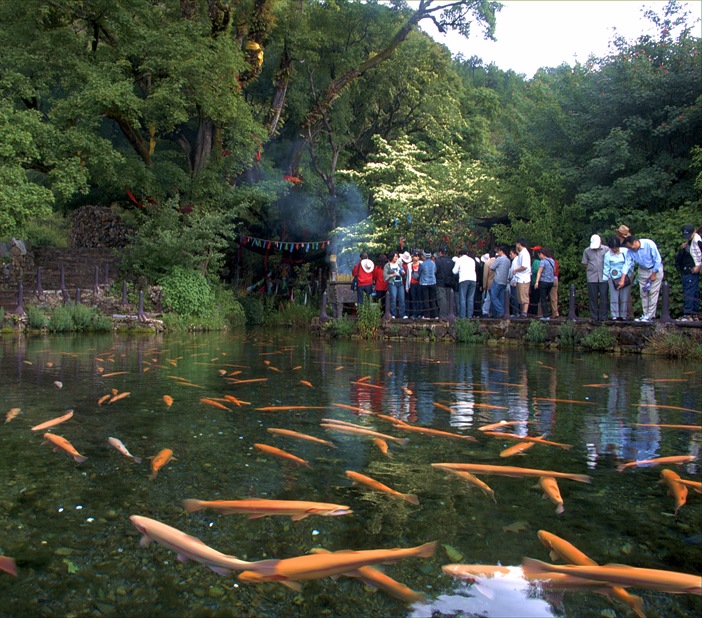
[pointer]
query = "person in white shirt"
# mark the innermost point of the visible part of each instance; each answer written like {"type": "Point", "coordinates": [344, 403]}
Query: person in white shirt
{"type": "Point", "coordinates": [522, 275]}
{"type": "Point", "coordinates": [464, 267]}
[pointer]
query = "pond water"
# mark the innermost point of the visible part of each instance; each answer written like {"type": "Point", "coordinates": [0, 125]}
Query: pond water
{"type": "Point", "coordinates": [67, 524]}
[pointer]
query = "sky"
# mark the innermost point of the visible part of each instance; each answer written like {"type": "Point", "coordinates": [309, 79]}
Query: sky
{"type": "Point", "coordinates": [546, 33]}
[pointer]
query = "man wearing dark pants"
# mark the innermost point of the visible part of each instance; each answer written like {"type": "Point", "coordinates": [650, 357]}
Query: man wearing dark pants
{"type": "Point", "coordinates": [597, 287]}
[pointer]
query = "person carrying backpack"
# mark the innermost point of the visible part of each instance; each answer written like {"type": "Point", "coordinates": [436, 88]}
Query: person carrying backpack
{"type": "Point", "coordinates": [688, 261]}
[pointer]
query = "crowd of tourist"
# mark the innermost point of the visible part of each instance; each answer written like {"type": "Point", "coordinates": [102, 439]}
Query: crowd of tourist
{"type": "Point", "coordinates": [419, 284]}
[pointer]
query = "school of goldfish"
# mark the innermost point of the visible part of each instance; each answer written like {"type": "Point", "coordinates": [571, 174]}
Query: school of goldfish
{"type": "Point", "coordinates": [579, 573]}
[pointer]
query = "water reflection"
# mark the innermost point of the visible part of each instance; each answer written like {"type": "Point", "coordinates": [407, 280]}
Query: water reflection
{"type": "Point", "coordinates": [68, 524]}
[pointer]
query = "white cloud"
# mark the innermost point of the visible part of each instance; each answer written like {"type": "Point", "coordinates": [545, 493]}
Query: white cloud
{"type": "Point", "coordinates": [534, 33]}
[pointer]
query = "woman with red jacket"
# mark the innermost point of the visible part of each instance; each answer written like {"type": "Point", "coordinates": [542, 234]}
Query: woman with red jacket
{"type": "Point", "coordinates": [363, 271]}
{"type": "Point", "coordinates": [381, 286]}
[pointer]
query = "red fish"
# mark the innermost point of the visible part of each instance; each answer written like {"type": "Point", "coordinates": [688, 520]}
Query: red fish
{"type": "Point", "coordinates": [61, 444]}
{"type": "Point", "coordinates": [53, 422]}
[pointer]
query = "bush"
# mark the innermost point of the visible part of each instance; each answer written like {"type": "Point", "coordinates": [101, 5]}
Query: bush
{"type": "Point", "coordinates": [537, 332]}
{"type": "Point", "coordinates": [61, 320]}
{"type": "Point", "coordinates": [291, 314]}
{"type": "Point", "coordinates": [229, 308]}
{"type": "Point", "coordinates": [2, 315]}
{"type": "Point", "coordinates": [675, 345]}
{"type": "Point", "coordinates": [253, 309]}
{"type": "Point", "coordinates": [48, 233]}
{"type": "Point", "coordinates": [568, 334]}
{"type": "Point", "coordinates": [101, 322]}
{"type": "Point", "coordinates": [468, 331]}
{"type": "Point", "coordinates": [341, 327]}
{"type": "Point", "coordinates": [369, 318]}
{"type": "Point", "coordinates": [82, 316]}
{"type": "Point", "coordinates": [187, 292]}
{"type": "Point", "coordinates": [35, 318]}
{"type": "Point", "coordinates": [600, 340]}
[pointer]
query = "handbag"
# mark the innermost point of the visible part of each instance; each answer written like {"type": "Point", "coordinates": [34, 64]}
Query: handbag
{"type": "Point", "coordinates": [354, 284]}
{"type": "Point", "coordinates": [627, 282]}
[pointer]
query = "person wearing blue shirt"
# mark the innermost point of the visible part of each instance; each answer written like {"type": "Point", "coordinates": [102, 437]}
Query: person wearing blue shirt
{"type": "Point", "coordinates": [427, 285]}
{"type": "Point", "coordinates": [644, 253]}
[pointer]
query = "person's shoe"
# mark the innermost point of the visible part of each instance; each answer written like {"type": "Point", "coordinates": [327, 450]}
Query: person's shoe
{"type": "Point", "coordinates": [404, 317]}
{"type": "Point", "coordinates": [544, 319]}
{"type": "Point", "coordinates": [392, 316]}
{"type": "Point", "coordinates": [644, 318]}
{"type": "Point", "coordinates": [685, 318]}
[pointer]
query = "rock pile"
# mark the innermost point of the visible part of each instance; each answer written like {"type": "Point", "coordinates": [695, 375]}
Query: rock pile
{"type": "Point", "coordinates": [99, 226]}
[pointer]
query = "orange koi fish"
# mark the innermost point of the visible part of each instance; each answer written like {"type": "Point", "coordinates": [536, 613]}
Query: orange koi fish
{"type": "Point", "coordinates": [8, 565]}
{"type": "Point", "coordinates": [560, 549]}
{"type": "Point", "coordinates": [255, 508]}
{"type": "Point", "coordinates": [58, 384]}
{"type": "Point", "coordinates": [61, 444]}
{"type": "Point", "coordinates": [362, 431]}
{"type": "Point", "coordinates": [517, 449]}
{"type": "Point", "coordinates": [12, 414]}
{"type": "Point", "coordinates": [296, 367]}
{"type": "Point", "coordinates": [390, 419]}
{"type": "Point", "coordinates": [118, 397]}
{"type": "Point", "coordinates": [280, 453]}
{"type": "Point", "coordinates": [433, 432]}
{"type": "Point", "coordinates": [694, 485]}
{"type": "Point", "coordinates": [288, 433]}
{"type": "Point", "coordinates": [377, 579]}
{"type": "Point", "coordinates": [512, 471]}
{"type": "Point", "coordinates": [368, 384]}
{"type": "Point", "coordinates": [553, 400]}
{"type": "Point", "coordinates": [539, 439]}
{"type": "Point", "coordinates": [306, 383]}
{"type": "Point", "coordinates": [272, 368]}
{"type": "Point", "coordinates": [160, 460]}
{"type": "Point", "coordinates": [664, 426]}
{"type": "Point", "coordinates": [656, 405]}
{"type": "Point", "coordinates": [238, 402]}
{"type": "Point", "coordinates": [250, 381]}
{"type": "Point", "coordinates": [352, 408]}
{"type": "Point", "coordinates": [473, 480]}
{"type": "Point", "coordinates": [649, 579]}
{"type": "Point", "coordinates": [104, 398]}
{"type": "Point", "coordinates": [283, 408]}
{"type": "Point", "coordinates": [168, 400]}
{"type": "Point", "coordinates": [114, 373]}
{"type": "Point", "coordinates": [215, 404]}
{"type": "Point", "coordinates": [53, 422]}
{"type": "Point", "coordinates": [362, 479]}
{"type": "Point", "coordinates": [675, 489]}
{"type": "Point", "coordinates": [114, 442]}
{"type": "Point", "coordinates": [552, 492]}
{"type": "Point", "coordinates": [678, 460]}
{"type": "Point", "coordinates": [441, 406]}
{"type": "Point", "coordinates": [383, 446]}
{"type": "Point", "coordinates": [291, 571]}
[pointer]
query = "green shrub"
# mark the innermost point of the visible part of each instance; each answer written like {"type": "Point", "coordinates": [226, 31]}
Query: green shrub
{"type": "Point", "coordinates": [36, 318]}
{"type": "Point", "coordinates": [2, 315]}
{"type": "Point", "coordinates": [468, 331]}
{"type": "Point", "coordinates": [537, 332]}
{"type": "Point", "coordinates": [81, 315]}
{"type": "Point", "coordinates": [253, 309]}
{"type": "Point", "coordinates": [229, 308]}
{"type": "Point", "coordinates": [187, 292]}
{"type": "Point", "coordinates": [369, 318]}
{"type": "Point", "coordinates": [568, 334]}
{"type": "Point", "coordinates": [48, 233]}
{"type": "Point", "coordinates": [599, 340]}
{"type": "Point", "coordinates": [101, 322]}
{"type": "Point", "coordinates": [291, 314]}
{"type": "Point", "coordinates": [341, 327]}
{"type": "Point", "coordinates": [675, 345]}
{"type": "Point", "coordinates": [61, 320]}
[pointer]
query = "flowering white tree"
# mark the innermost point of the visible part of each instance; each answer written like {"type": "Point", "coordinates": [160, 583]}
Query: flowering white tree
{"type": "Point", "coordinates": [420, 199]}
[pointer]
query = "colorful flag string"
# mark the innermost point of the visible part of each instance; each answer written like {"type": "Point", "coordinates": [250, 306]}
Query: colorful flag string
{"type": "Point", "coordinates": [281, 245]}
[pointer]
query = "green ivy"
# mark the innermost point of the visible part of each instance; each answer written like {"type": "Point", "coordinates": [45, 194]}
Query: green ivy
{"type": "Point", "coordinates": [600, 340]}
{"type": "Point", "coordinates": [369, 318]}
{"type": "Point", "coordinates": [468, 331]}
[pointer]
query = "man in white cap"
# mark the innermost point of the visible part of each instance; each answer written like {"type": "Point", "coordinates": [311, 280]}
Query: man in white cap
{"type": "Point", "coordinates": [597, 286]}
